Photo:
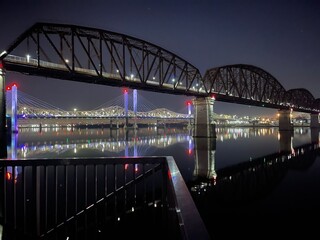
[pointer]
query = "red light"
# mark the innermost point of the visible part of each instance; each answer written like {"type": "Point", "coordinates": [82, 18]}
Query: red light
{"type": "Point", "coordinates": [213, 97]}
{"type": "Point", "coordinates": [8, 176]}
{"type": "Point", "coordinates": [125, 91]}
{"type": "Point", "coordinates": [8, 88]}
{"type": "Point", "coordinates": [14, 85]}
{"type": "Point", "coordinates": [190, 151]}
{"type": "Point", "coordinates": [188, 103]}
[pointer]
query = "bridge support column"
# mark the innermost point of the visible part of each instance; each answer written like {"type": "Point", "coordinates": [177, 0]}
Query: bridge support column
{"type": "Point", "coordinates": [285, 120]}
{"type": "Point", "coordinates": [126, 107]}
{"type": "Point", "coordinates": [314, 120]}
{"type": "Point", "coordinates": [3, 136]}
{"type": "Point", "coordinates": [203, 117]}
{"type": "Point", "coordinates": [14, 108]}
{"type": "Point", "coordinates": [204, 152]}
{"type": "Point", "coordinates": [285, 140]}
{"type": "Point", "coordinates": [315, 135]}
{"type": "Point", "coordinates": [135, 107]}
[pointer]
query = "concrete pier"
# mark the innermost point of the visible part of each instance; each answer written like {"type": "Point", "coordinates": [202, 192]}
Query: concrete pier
{"type": "Point", "coordinates": [314, 120]}
{"type": "Point", "coordinates": [285, 141]}
{"type": "Point", "coordinates": [204, 125]}
{"type": "Point", "coordinates": [285, 120]}
{"type": "Point", "coordinates": [204, 152]}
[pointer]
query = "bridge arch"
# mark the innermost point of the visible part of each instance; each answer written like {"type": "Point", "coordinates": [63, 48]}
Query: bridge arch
{"type": "Point", "coordinates": [102, 57]}
{"type": "Point", "coordinates": [316, 104]}
{"type": "Point", "coordinates": [300, 98]}
{"type": "Point", "coordinates": [246, 83]}
{"type": "Point", "coordinates": [99, 56]}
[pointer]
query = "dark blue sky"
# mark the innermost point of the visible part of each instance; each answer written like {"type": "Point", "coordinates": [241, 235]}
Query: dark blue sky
{"type": "Point", "coordinates": [282, 37]}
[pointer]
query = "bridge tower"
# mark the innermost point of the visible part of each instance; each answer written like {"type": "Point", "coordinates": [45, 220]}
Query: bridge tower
{"type": "Point", "coordinates": [135, 106]}
{"type": "Point", "coordinates": [285, 120]}
{"type": "Point", "coordinates": [314, 120]}
{"type": "Point", "coordinates": [125, 93]}
{"type": "Point", "coordinates": [204, 125]}
{"type": "Point", "coordinates": [14, 108]}
{"type": "Point", "coordinates": [189, 106]}
{"type": "Point", "coordinates": [3, 143]}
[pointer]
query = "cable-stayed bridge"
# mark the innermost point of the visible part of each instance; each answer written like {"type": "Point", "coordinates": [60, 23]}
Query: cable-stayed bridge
{"type": "Point", "coordinates": [28, 107]}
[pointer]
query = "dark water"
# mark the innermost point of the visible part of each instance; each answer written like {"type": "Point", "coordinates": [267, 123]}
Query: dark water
{"type": "Point", "coordinates": [248, 182]}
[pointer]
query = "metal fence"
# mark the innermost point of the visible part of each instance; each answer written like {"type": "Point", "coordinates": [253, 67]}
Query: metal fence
{"type": "Point", "coordinates": [96, 197]}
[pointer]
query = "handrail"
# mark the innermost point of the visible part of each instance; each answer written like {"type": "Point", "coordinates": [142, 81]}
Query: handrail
{"type": "Point", "coordinates": [190, 224]}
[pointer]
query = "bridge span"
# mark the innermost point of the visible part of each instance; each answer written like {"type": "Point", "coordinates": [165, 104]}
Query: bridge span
{"type": "Point", "coordinates": [98, 56]}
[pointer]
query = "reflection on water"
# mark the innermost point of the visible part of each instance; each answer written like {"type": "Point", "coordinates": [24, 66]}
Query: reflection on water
{"type": "Point", "coordinates": [252, 173]}
{"type": "Point", "coordinates": [30, 143]}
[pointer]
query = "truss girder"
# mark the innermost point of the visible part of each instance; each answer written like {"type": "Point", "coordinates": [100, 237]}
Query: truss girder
{"type": "Point", "coordinates": [316, 103]}
{"type": "Point", "coordinates": [245, 81]}
{"type": "Point", "coordinates": [69, 51]}
{"type": "Point", "coordinates": [300, 98]}
{"type": "Point", "coordinates": [103, 57]}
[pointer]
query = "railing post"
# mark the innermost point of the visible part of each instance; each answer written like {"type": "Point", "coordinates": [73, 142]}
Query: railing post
{"type": "Point", "coordinates": [3, 135]}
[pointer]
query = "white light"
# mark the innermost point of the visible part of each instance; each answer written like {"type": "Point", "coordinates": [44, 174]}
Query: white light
{"type": "Point", "coordinates": [118, 219]}
{"type": "Point", "coordinates": [117, 70]}
{"type": "Point", "coordinates": [75, 109]}
{"type": "Point", "coordinates": [132, 209]}
{"type": "Point", "coordinates": [173, 80]}
{"type": "Point", "coordinates": [180, 83]}
{"type": "Point", "coordinates": [3, 53]}
{"type": "Point", "coordinates": [67, 60]}
{"type": "Point", "coordinates": [154, 78]}
{"type": "Point", "coordinates": [28, 58]}
{"type": "Point", "coordinates": [131, 75]}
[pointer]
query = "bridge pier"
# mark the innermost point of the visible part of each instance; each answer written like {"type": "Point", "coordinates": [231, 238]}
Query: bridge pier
{"type": "Point", "coordinates": [285, 141]}
{"type": "Point", "coordinates": [204, 125]}
{"type": "Point", "coordinates": [285, 120]}
{"type": "Point", "coordinates": [204, 152]}
{"type": "Point", "coordinates": [3, 136]}
{"type": "Point", "coordinates": [315, 135]}
{"type": "Point", "coordinates": [314, 120]}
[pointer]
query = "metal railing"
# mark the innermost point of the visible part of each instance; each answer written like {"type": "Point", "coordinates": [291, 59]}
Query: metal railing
{"type": "Point", "coordinates": [45, 198]}
{"type": "Point", "coordinates": [92, 72]}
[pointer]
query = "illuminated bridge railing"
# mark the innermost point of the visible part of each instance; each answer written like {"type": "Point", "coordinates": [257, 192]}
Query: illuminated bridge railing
{"type": "Point", "coordinates": [97, 197]}
{"type": "Point", "coordinates": [34, 62]}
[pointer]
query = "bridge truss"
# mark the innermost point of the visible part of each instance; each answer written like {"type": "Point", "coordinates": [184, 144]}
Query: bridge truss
{"type": "Point", "coordinates": [102, 57]}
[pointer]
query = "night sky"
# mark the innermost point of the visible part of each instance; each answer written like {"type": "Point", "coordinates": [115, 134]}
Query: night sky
{"type": "Point", "coordinates": [282, 37]}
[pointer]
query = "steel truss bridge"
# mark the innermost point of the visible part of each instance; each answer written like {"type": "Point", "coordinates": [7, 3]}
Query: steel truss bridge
{"type": "Point", "coordinates": [98, 56]}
